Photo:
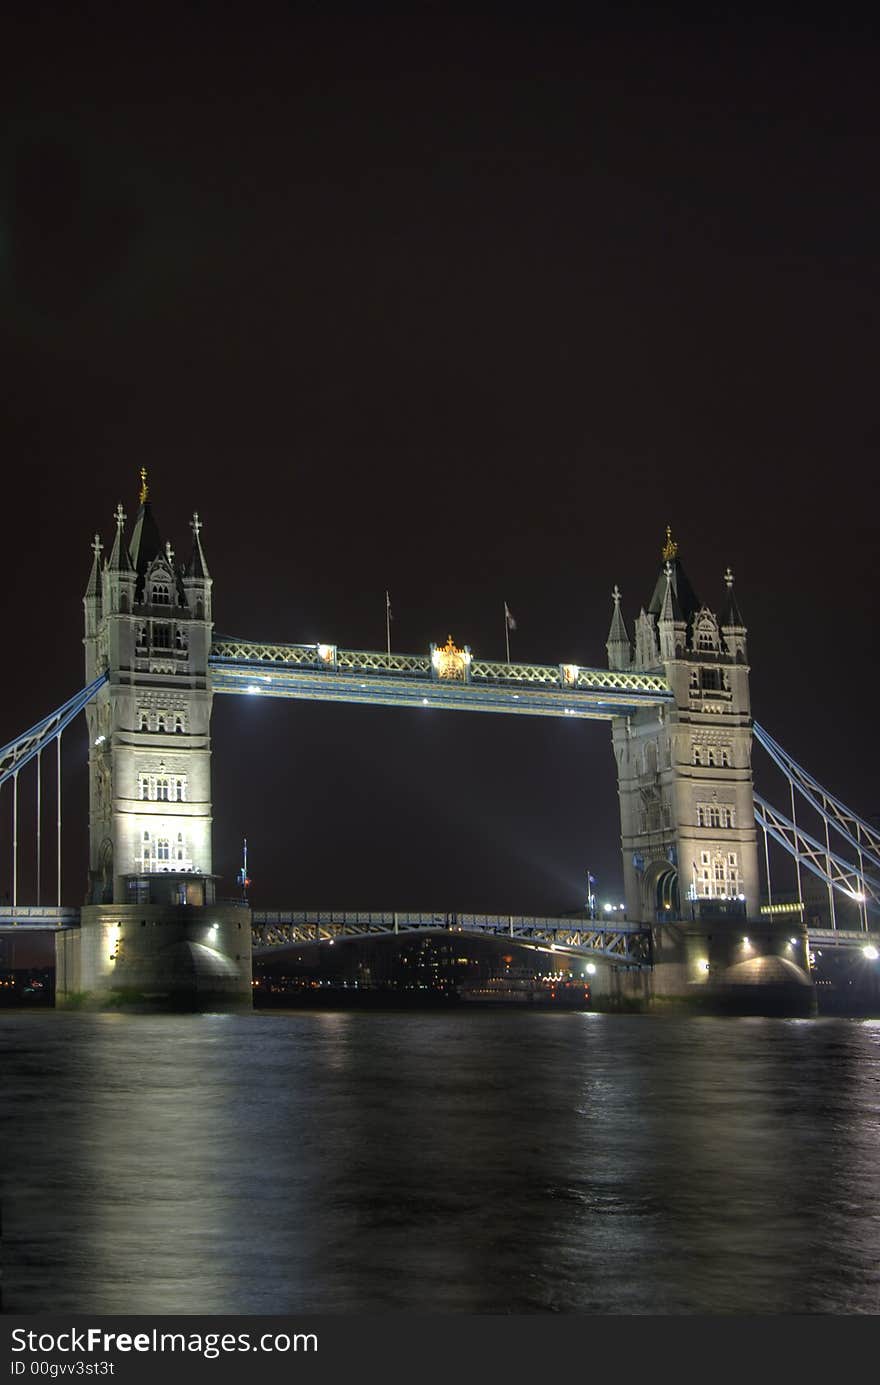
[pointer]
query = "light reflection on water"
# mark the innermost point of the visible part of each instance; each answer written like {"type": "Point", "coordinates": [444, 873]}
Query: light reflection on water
{"type": "Point", "coordinates": [482, 1162]}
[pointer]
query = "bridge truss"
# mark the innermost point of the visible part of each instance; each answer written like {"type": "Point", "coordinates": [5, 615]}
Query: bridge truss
{"type": "Point", "coordinates": [625, 944]}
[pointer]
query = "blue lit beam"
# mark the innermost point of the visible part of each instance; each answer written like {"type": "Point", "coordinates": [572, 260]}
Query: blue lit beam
{"type": "Point", "coordinates": [840, 874]}
{"type": "Point", "coordinates": [842, 819]}
{"type": "Point", "coordinates": [19, 752]}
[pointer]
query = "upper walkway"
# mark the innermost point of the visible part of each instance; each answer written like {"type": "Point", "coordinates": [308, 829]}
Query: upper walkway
{"type": "Point", "coordinates": [448, 677]}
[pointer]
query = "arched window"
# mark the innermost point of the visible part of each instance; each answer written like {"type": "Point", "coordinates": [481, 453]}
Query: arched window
{"type": "Point", "coordinates": [162, 789]}
{"type": "Point", "coordinates": [161, 594]}
{"type": "Point", "coordinates": [145, 720]}
{"type": "Point", "coordinates": [180, 638]}
{"type": "Point", "coordinates": [178, 722]}
{"type": "Point", "coordinates": [163, 849]}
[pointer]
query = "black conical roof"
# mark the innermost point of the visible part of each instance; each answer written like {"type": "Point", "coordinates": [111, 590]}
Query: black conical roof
{"type": "Point", "coordinates": [684, 596]}
{"type": "Point", "coordinates": [146, 541]}
{"type": "Point", "coordinates": [732, 615]}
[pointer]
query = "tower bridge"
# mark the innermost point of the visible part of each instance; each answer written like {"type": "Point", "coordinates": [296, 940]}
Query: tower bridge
{"type": "Point", "coordinates": [676, 695]}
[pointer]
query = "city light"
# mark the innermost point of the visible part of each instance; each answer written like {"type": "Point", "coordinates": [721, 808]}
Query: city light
{"type": "Point", "coordinates": [252, 688]}
{"type": "Point", "coordinates": [870, 952]}
{"type": "Point", "coordinates": [591, 969]}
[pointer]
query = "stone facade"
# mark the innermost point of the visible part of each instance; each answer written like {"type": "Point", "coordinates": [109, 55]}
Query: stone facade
{"type": "Point", "coordinates": [688, 830]}
{"type": "Point", "coordinates": [148, 626]}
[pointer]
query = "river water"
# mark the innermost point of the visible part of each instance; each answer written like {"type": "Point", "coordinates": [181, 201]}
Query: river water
{"type": "Point", "coordinates": [477, 1162]}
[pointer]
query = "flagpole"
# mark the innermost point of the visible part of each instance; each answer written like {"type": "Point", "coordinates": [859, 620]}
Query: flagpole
{"type": "Point", "coordinates": [388, 622]}
{"type": "Point", "coordinates": [506, 632]}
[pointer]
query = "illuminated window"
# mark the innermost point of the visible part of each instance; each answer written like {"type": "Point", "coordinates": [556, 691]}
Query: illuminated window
{"type": "Point", "coordinates": [145, 720]}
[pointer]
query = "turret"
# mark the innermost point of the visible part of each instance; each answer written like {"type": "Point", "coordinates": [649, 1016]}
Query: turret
{"type": "Point", "coordinates": [732, 625]}
{"type": "Point", "coordinates": [671, 623]}
{"type": "Point", "coordinates": [617, 644]}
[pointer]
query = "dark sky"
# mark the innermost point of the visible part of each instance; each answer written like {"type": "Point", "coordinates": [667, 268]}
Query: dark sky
{"type": "Point", "coordinates": [468, 309]}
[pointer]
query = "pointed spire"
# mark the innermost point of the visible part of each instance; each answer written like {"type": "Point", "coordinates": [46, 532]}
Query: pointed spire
{"type": "Point", "coordinates": [617, 644]}
{"type": "Point", "coordinates": [731, 614]}
{"type": "Point", "coordinates": [670, 610]}
{"type": "Point", "coordinates": [94, 586]}
{"type": "Point", "coordinates": [119, 560]}
{"type": "Point", "coordinates": [197, 566]}
{"type": "Point", "coordinates": [146, 542]}
{"type": "Point", "coordinates": [684, 597]}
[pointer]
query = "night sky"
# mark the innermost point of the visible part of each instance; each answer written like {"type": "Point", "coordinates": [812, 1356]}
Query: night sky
{"type": "Point", "coordinates": [465, 308]}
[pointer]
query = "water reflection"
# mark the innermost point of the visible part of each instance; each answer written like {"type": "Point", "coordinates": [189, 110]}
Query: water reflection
{"type": "Point", "coordinates": [475, 1162]}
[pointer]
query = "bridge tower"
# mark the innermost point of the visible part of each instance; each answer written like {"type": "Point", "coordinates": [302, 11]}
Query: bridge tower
{"type": "Point", "coordinates": [151, 924]}
{"type": "Point", "coordinates": [685, 770]}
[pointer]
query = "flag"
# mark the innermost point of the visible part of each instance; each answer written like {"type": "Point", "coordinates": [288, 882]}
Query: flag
{"type": "Point", "coordinates": [591, 878]}
{"type": "Point", "coordinates": [511, 623]}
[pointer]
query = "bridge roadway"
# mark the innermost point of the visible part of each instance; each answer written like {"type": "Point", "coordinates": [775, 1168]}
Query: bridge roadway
{"type": "Point", "coordinates": [624, 943]}
{"type": "Point", "coordinates": [446, 678]}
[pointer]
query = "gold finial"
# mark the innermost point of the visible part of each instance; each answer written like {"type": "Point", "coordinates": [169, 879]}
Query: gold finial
{"type": "Point", "coordinates": [670, 548]}
{"type": "Point", "coordinates": [145, 490]}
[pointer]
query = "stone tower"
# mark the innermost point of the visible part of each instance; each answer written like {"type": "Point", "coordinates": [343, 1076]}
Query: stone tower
{"type": "Point", "coordinates": [148, 626]}
{"type": "Point", "coordinates": [152, 930]}
{"type": "Point", "coordinates": [684, 771]}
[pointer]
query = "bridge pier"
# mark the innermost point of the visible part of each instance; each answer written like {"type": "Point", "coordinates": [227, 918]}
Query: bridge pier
{"type": "Point", "coordinates": [733, 965]}
{"type": "Point", "coordinates": [150, 956]}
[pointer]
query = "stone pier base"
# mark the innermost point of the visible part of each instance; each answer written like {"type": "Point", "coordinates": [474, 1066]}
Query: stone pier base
{"type": "Point", "coordinates": [156, 957]}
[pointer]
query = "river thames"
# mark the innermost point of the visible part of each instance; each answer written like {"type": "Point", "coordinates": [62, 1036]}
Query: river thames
{"type": "Point", "coordinates": [480, 1162]}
